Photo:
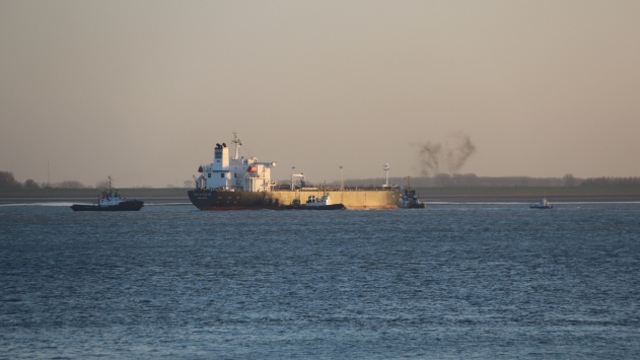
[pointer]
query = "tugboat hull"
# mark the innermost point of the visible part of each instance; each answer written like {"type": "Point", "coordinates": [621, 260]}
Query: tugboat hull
{"type": "Point", "coordinates": [542, 207]}
{"type": "Point", "coordinates": [413, 206]}
{"type": "Point", "coordinates": [135, 205]}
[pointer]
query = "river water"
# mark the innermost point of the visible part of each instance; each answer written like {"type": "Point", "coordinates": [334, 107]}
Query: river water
{"type": "Point", "coordinates": [453, 281]}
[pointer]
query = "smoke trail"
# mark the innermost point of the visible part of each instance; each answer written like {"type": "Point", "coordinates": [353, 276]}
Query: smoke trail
{"type": "Point", "coordinates": [460, 153]}
{"type": "Point", "coordinates": [453, 154]}
{"type": "Point", "coordinates": [430, 157]}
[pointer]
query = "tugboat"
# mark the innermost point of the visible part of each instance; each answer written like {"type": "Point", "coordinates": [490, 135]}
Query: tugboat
{"type": "Point", "coordinates": [409, 199]}
{"type": "Point", "coordinates": [313, 203]}
{"type": "Point", "coordinates": [111, 201]}
{"type": "Point", "coordinates": [544, 204]}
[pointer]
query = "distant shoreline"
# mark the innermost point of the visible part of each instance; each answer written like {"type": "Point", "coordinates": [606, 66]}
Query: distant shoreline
{"type": "Point", "coordinates": [453, 199]}
{"type": "Point", "coordinates": [528, 199]}
{"type": "Point", "coordinates": [86, 200]}
{"type": "Point", "coordinates": [428, 195]}
{"type": "Point", "coordinates": [24, 196]}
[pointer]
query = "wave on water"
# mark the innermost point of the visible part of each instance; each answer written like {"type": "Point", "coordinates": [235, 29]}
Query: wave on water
{"type": "Point", "coordinates": [67, 204]}
{"type": "Point", "coordinates": [530, 203]}
{"type": "Point", "coordinates": [44, 204]}
{"type": "Point", "coordinates": [475, 203]}
{"type": "Point", "coordinates": [166, 204]}
{"type": "Point", "coordinates": [596, 202]}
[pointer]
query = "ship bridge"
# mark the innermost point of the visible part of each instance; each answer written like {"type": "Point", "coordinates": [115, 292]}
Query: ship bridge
{"type": "Point", "coordinates": [237, 173]}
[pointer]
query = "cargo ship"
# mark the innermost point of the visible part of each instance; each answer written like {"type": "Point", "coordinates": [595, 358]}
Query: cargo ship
{"type": "Point", "coordinates": [239, 183]}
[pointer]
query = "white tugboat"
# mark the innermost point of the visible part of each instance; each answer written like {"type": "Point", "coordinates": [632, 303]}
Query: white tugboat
{"type": "Point", "coordinates": [111, 201]}
{"type": "Point", "coordinates": [323, 203]}
{"type": "Point", "coordinates": [544, 204]}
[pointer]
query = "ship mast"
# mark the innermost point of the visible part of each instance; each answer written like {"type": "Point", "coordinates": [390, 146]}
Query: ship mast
{"type": "Point", "coordinates": [236, 140]}
{"type": "Point", "coordinates": [386, 170]}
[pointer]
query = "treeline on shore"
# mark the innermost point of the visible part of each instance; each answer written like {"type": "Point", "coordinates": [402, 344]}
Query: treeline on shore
{"type": "Point", "coordinates": [472, 180]}
{"type": "Point", "coordinates": [11, 188]}
{"type": "Point", "coordinates": [9, 182]}
{"type": "Point", "coordinates": [9, 185]}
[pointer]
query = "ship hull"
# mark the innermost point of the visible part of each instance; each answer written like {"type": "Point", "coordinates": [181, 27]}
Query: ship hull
{"type": "Point", "coordinates": [283, 199]}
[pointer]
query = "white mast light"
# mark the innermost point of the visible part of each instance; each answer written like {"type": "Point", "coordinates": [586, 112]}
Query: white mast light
{"type": "Point", "coordinates": [386, 170]}
{"type": "Point", "coordinates": [236, 140]}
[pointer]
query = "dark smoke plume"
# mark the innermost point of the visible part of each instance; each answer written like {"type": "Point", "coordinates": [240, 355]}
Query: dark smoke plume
{"type": "Point", "coordinates": [430, 155]}
{"type": "Point", "coordinates": [463, 148]}
{"type": "Point", "coordinates": [453, 154]}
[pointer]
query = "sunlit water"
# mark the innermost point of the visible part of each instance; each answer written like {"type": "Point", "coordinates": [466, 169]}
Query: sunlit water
{"type": "Point", "coordinates": [490, 281]}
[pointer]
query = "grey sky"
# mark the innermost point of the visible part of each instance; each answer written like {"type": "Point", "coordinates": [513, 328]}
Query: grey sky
{"type": "Point", "coordinates": [142, 90]}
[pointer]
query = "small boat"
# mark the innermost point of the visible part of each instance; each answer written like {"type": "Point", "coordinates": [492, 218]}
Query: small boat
{"type": "Point", "coordinates": [544, 204]}
{"type": "Point", "coordinates": [323, 203]}
{"type": "Point", "coordinates": [111, 201]}
{"type": "Point", "coordinates": [409, 199]}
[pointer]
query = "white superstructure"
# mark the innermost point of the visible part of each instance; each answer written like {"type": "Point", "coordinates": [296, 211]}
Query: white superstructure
{"type": "Point", "coordinates": [237, 173]}
{"type": "Point", "coordinates": [110, 198]}
{"type": "Point", "coordinates": [314, 201]}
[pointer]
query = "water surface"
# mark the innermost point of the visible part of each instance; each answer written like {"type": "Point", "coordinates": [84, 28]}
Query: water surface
{"type": "Point", "coordinates": [489, 281]}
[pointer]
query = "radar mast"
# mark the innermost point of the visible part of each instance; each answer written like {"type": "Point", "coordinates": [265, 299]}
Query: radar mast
{"type": "Point", "coordinates": [386, 170]}
{"type": "Point", "coordinates": [236, 140]}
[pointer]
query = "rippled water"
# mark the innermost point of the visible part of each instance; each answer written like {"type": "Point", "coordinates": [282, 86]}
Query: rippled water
{"type": "Point", "coordinates": [491, 281]}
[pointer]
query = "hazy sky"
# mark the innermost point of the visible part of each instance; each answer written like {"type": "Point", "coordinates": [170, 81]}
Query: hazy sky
{"type": "Point", "coordinates": [142, 90]}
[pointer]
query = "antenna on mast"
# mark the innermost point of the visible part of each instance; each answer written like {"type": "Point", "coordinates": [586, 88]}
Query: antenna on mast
{"type": "Point", "coordinates": [236, 140]}
{"type": "Point", "coordinates": [386, 170]}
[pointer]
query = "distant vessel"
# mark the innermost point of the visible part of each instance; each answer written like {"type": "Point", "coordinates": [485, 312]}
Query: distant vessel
{"type": "Point", "coordinates": [313, 203]}
{"type": "Point", "coordinates": [111, 201]}
{"type": "Point", "coordinates": [236, 183]}
{"type": "Point", "coordinates": [409, 199]}
{"type": "Point", "coordinates": [544, 204]}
